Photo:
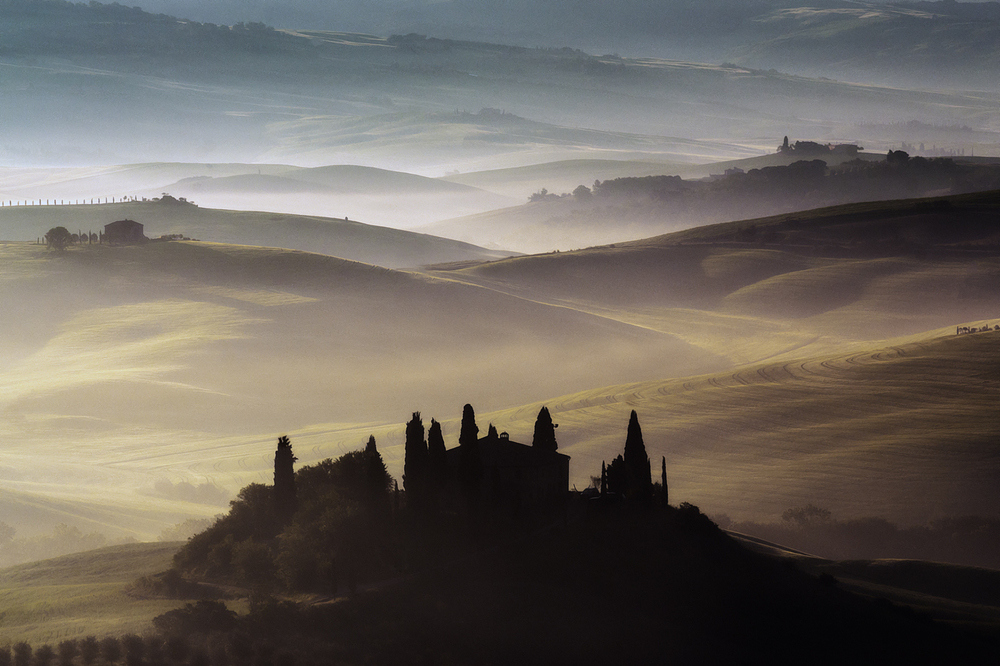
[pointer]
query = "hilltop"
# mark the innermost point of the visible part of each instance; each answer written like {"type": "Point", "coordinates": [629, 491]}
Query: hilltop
{"type": "Point", "coordinates": [644, 585]}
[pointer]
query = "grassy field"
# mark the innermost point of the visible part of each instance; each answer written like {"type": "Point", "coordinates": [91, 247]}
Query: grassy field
{"type": "Point", "coordinates": [83, 594]}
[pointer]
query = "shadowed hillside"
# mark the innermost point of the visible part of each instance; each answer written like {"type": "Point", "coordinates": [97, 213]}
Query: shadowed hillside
{"type": "Point", "coordinates": [634, 586]}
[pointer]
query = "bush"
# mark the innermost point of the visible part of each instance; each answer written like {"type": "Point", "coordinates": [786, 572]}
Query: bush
{"type": "Point", "coordinates": [111, 649]}
{"type": "Point", "coordinates": [44, 655]}
{"type": "Point", "coordinates": [89, 650]}
{"type": "Point", "coordinates": [22, 654]}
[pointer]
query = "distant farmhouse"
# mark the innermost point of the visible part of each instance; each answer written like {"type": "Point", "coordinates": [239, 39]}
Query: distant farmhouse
{"type": "Point", "coordinates": [123, 231]}
{"type": "Point", "coordinates": [517, 477]}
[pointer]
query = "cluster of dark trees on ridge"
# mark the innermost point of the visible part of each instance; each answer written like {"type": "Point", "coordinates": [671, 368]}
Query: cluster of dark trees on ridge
{"type": "Point", "coordinates": [332, 525]}
{"type": "Point", "coordinates": [802, 185]}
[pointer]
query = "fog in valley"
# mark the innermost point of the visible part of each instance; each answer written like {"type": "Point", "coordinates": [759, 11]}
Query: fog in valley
{"type": "Point", "coordinates": [701, 211]}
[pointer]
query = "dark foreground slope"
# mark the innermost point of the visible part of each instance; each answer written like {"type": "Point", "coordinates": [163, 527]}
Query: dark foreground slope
{"type": "Point", "coordinates": [619, 587]}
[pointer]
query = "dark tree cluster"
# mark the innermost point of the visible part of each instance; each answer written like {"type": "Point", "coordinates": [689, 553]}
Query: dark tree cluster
{"type": "Point", "coordinates": [802, 185]}
{"type": "Point", "coordinates": [316, 528]}
{"type": "Point", "coordinates": [628, 475]}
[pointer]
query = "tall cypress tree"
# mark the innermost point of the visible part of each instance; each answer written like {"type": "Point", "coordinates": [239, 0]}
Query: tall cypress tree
{"type": "Point", "coordinates": [415, 463]}
{"type": "Point", "coordinates": [284, 479]}
{"type": "Point", "coordinates": [663, 480]}
{"type": "Point", "coordinates": [545, 431]}
{"type": "Point", "coordinates": [376, 476]}
{"type": "Point", "coordinates": [437, 457]}
{"type": "Point", "coordinates": [470, 458]}
{"type": "Point", "coordinates": [636, 461]}
{"type": "Point", "coordinates": [437, 463]}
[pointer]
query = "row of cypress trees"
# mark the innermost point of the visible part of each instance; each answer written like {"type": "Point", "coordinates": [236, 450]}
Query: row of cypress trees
{"type": "Point", "coordinates": [425, 466]}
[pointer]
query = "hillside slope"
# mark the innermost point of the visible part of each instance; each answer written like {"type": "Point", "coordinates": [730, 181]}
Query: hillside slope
{"type": "Point", "coordinates": [638, 207]}
{"type": "Point", "coordinates": [906, 432]}
{"type": "Point", "coordinates": [347, 239]}
{"type": "Point", "coordinates": [83, 594]}
{"type": "Point", "coordinates": [186, 91]}
{"type": "Point", "coordinates": [170, 362]}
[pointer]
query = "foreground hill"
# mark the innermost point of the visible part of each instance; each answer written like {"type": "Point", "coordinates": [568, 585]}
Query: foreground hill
{"type": "Point", "coordinates": [640, 586]}
{"type": "Point", "coordinates": [382, 246]}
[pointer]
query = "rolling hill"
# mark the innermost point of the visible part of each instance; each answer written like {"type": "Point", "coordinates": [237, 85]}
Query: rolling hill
{"type": "Point", "coordinates": [247, 93]}
{"type": "Point", "coordinates": [636, 207]}
{"type": "Point", "coordinates": [347, 239]}
{"type": "Point", "coordinates": [183, 362]}
{"type": "Point", "coordinates": [389, 198]}
{"type": "Point", "coordinates": [177, 361]}
{"type": "Point", "coordinates": [912, 42]}
{"type": "Point", "coordinates": [713, 584]}
{"type": "Point", "coordinates": [83, 594]}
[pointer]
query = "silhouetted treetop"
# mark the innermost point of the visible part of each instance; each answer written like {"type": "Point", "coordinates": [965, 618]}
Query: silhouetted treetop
{"type": "Point", "coordinates": [58, 238]}
{"type": "Point", "coordinates": [415, 464]}
{"type": "Point", "coordinates": [470, 460]}
{"type": "Point", "coordinates": [284, 478]}
{"type": "Point", "coordinates": [636, 460]}
{"type": "Point", "coordinates": [545, 431]}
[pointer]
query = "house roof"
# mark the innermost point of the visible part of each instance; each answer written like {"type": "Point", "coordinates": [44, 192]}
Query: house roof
{"type": "Point", "coordinates": [122, 224]}
{"type": "Point", "coordinates": [502, 452]}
